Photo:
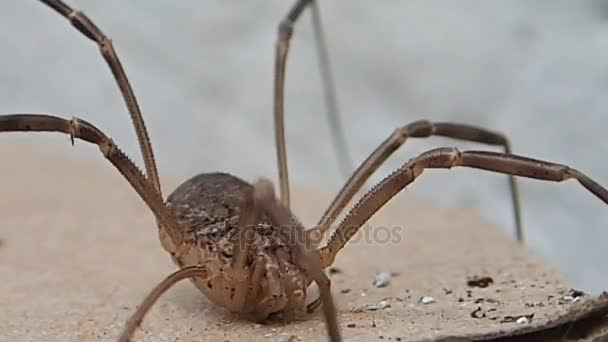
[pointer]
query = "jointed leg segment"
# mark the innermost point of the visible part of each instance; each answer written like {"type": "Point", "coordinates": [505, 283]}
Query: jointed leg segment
{"type": "Point", "coordinates": [88, 28]}
{"type": "Point", "coordinates": [308, 256]}
{"type": "Point", "coordinates": [285, 32]}
{"type": "Point", "coordinates": [345, 160]}
{"type": "Point", "coordinates": [446, 158]}
{"type": "Point", "coordinates": [135, 320]}
{"type": "Point", "coordinates": [78, 128]}
{"type": "Point", "coordinates": [417, 129]}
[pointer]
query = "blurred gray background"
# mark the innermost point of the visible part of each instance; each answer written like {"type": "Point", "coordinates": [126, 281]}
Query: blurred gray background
{"type": "Point", "coordinates": [202, 70]}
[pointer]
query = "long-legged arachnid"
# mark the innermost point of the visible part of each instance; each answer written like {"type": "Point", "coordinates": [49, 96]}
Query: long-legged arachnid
{"type": "Point", "coordinates": [240, 244]}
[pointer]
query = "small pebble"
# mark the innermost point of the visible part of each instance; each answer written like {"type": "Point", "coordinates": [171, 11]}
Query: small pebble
{"type": "Point", "coordinates": [522, 320]}
{"type": "Point", "coordinates": [572, 296]}
{"type": "Point", "coordinates": [381, 305]}
{"type": "Point", "coordinates": [382, 279]}
{"type": "Point", "coordinates": [427, 300]}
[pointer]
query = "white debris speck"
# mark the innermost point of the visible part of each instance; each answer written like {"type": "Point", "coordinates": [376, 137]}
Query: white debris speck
{"type": "Point", "coordinates": [522, 320]}
{"type": "Point", "coordinates": [427, 300]}
{"type": "Point", "coordinates": [382, 279]}
{"type": "Point", "coordinates": [569, 298]}
{"type": "Point", "coordinates": [383, 304]}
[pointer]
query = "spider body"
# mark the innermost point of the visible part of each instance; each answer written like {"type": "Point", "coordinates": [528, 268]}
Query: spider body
{"type": "Point", "coordinates": [207, 208]}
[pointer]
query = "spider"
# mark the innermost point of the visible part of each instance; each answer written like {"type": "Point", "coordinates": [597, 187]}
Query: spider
{"type": "Point", "coordinates": [240, 244]}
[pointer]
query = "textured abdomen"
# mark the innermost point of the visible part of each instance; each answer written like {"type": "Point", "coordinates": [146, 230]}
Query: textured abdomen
{"type": "Point", "coordinates": [207, 207]}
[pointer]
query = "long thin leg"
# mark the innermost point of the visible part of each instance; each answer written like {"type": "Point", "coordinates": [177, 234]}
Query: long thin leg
{"type": "Point", "coordinates": [87, 27]}
{"type": "Point", "coordinates": [417, 129]}
{"type": "Point", "coordinates": [307, 257]}
{"type": "Point", "coordinates": [78, 128]}
{"type": "Point", "coordinates": [282, 48]}
{"type": "Point", "coordinates": [446, 158]}
{"type": "Point", "coordinates": [345, 160]}
{"type": "Point", "coordinates": [135, 320]}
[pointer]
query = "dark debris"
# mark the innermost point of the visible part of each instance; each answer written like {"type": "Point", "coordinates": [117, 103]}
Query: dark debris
{"type": "Point", "coordinates": [481, 282]}
{"type": "Point", "coordinates": [478, 313]}
{"type": "Point", "coordinates": [571, 297]}
{"type": "Point", "coordinates": [334, 270]}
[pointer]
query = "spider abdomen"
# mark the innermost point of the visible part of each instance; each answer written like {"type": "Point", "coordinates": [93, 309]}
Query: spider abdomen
{"type": "Point", "coordinates": [207, 208]}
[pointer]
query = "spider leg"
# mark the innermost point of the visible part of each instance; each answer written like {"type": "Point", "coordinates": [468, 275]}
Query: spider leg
{"type": "Point", "coordinates": [281, 50]}
{"type": "Point", "coordinates": [446, 158]}
{"type": "Point", "coordinates": [417, 129]}
{"type": "Point", "coordinates": [345, 160]}
{"type": "Point", "coordinates": [135, 320]}
{"type": "Point", "coordinates": [88, 28]}
{"type": "Point", "coordinates": [285, 32]}
{"type": "Point", "coordinates": [314, 305]}
{"type": "Point", "coordinates": [78, 128]}
{"type": "Point", "coordinates": [307, 256]}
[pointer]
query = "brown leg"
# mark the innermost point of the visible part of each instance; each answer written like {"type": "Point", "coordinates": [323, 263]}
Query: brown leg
{"type": "Point", "coordinates": [87, 27]}
{"type": "Point", "coordinates": [83, 130]}
{"type": "Point", "coordinates": [282, 47]}
{"type": "Point", "coordinates": [314, 305]}
{"type": "Point", "coordinates": [446, 158]}
{"type": "Point", "coordinates": [345, 160]}
{"type": "Point", "coordinates": [417, 129]}
{"type": "Point", "coordinates": [135, 320]}
{"type": "Point", "coordinates": [307, 257]}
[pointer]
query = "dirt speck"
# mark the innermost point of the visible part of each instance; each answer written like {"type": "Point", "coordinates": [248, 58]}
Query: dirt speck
{"type": "Point", "coordinates": [480, 282]}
